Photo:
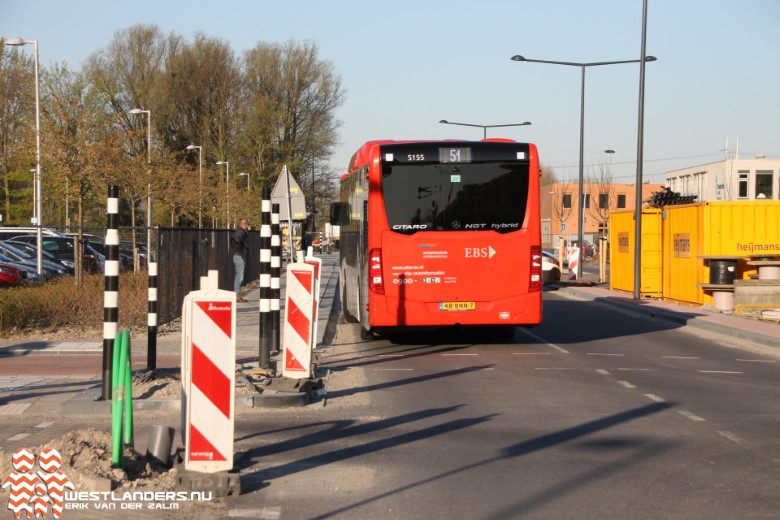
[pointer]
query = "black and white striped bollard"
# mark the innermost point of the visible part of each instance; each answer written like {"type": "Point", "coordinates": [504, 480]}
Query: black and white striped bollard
{"type": "Point", "coordinates": [151, 335]}
{"type": "Point", "coordinates": [276, 275]}
{"type": "Point", "coordinates": [265, 281]}
{"type": "Point", "coordinates": [111, 291]}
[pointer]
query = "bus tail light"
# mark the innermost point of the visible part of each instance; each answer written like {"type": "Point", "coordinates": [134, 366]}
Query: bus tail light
{"type": "Point", "coordinates": [376, 280]}
{"type": "Point", "coordinates": [536, 269]}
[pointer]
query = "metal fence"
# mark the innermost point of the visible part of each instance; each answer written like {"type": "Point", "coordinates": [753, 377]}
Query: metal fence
{"type": "Point", "coordinates": [184, 255]}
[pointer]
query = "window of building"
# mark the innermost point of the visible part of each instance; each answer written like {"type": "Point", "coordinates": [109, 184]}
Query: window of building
{"type": "Point", "coordinates": [744, 177]}
{"type": "Point", "coordinates": [566, 201]}
{"type": "Point", "coordinates": [764, 183]}
{"type": "Point", "coordinates": [603, 200]}
{"type": "Point", "coordinates": [621, 202]}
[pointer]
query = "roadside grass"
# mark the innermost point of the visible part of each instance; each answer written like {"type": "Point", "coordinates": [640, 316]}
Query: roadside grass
{"type": "Point", "coordinates": [58, 306]}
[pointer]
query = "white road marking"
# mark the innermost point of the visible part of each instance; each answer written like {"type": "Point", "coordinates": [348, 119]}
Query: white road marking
{"type": "Point", "coordinates": [44, 425]}
{"type": "Point", "coordinates": [626, 384]}
{"type": "Point", "coordinates": [730, 436]}
{"type": "Point", "coordinates": [757, 360]}
{"type": "Point", "coordinates": [604, 354]}
{"type": "Point", "coordinates": [679, 357]}
{"type": "Point", "coordinates": [18, 436]}
{"type": "Point", "coordinates": [266, 513]}
{"type": "Point", "coordinates": [719, 372]}
{"type": "Point", "coordinates": [542, 340]}
{"type": "Point", "coordinates": [602, 372]}
{"type": "Point", "coordinates": [655, 398]}
{"type": "Point", "coordinates": [691, 416]}
{"type": "Point", "coordinates": [635, 369]}
{"type": "Point", "coordinates": [14, 408]}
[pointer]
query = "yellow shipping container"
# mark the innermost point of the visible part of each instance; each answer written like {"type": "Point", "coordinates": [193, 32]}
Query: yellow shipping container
{"type": "Point", "coordinates": [682, 244]}
{"type": "Point", "coordinates": [621, 252]}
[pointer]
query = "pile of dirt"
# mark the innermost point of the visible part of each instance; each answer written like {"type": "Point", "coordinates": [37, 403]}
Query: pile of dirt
{"type": "Point", "coordinates": [166, 384]}
{"type": "Point", "coordinates": [87, 453]}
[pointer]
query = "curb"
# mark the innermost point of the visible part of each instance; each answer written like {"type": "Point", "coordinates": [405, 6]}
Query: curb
{"type": "Point", "coordinates": [674, 317]}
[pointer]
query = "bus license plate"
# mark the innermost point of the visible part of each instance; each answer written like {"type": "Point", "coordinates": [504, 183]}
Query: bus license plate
{"type": "Point", "coordinates": [457, 306]}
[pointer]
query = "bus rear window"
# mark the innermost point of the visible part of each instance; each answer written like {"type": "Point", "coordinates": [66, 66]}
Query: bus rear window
{"type": "Point", "coordinates": [455, 197]}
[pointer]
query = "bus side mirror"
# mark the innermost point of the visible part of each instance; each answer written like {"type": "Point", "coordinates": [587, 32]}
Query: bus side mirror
{"type": "Point", "coordinates": [339, 214]}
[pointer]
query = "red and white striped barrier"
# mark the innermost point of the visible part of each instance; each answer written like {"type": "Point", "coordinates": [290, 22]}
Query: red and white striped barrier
{"type": "Point", "coordinates": [317, 263]}
{"type": "Point", "coordinates": [298, 321]}
{"type": "Point", "coordinates": [208, 378]}
{"type": "Point", "coordinates": [574, 259]}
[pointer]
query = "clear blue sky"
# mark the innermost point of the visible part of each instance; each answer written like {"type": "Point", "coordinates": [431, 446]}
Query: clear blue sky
{"type": "Point", "coordinates": [407, 64]}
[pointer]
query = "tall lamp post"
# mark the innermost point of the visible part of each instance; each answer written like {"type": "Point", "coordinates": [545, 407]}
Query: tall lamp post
{"type": "Point", "coordinates": [483, 127]}
{"type": "Point", "coordinates": [38, 191]}
{"type": "Point", "coordinates": [149, 176]}
{"type": "Point", "coordinates": [247, 179]}
{"type": "Point", "coordinates": [200, 182]}
{"type": "Point", "coordinates": [227, 192]}
{"type": "Point", "coordinates": [582, 66]}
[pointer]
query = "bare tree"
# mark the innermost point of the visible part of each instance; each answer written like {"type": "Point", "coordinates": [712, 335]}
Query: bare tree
{"type": "Point", "coordinates": [602, 193]}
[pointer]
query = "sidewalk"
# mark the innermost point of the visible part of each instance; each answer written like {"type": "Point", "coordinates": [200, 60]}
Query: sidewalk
{"type": "Point", "coordinates": [758, 331]}
{"type": "Point", "coordinates": [64, 377]}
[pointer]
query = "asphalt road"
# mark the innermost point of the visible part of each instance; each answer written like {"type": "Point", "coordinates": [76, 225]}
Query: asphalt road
{"type": "Point", "coordinates": [594, 414]}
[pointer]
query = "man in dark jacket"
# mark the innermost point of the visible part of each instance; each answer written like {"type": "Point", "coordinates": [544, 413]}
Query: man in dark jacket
{"type": "Point", "coordinates": [239, 249]}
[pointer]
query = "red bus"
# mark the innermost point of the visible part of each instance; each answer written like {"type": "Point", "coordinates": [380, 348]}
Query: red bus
{"type": "Point", "coordinates": [437, 234]}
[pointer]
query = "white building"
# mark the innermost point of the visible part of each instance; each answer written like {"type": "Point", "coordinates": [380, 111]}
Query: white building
{"type": "Point", "coordinates": [730, 179]}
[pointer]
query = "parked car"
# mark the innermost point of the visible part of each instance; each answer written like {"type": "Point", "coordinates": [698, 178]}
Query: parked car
{"type": "Point", "coordinates": [20, 254]}
{"type": "Point", "coordinates": [9, 276]}
{"type": "Point", "coordinates": [62, 248]}
{"type": "Point", "coordinates": [551, 269]}
{"type": "Point", "coordinates": [32, 251]}
{"type": "Point", "coordinates": [29, 271]}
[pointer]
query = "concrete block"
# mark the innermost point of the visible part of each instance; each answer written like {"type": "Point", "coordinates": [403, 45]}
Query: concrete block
{"type": "Point", "coordinates": [757, 293]}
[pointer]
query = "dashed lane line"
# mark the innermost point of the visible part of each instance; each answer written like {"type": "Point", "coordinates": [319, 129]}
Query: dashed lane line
{"type": "Point", "coordinates": [655, 398]}
{"type": "Point", "coordinates": [44, 425]}
{"type": "Point", "coordinates": [757, 361]}
{"type": "Point", "coordinates": [602, 372]}
{"type": "Point", "coordinates": [732, 437]}
{"type": "Point", "coordinates": [18, 437]}
{"type": "Point", "coordinates": [719, 372]}
{"type": "Point", "coordinates": [544, 341]}
{"type": "Point", "coordinates": [626, 384]}
{"type": "Point", "coordinates": [605, 354]}
{"type": "Point", "coordinates": [691, 416]}
{"type": "Point", "coordinates": [680, 357]}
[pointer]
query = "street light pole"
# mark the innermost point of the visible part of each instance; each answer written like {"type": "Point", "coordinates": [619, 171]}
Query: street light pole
{"type": "Point", "coordinates": [639, 160]}
{"type": "Point", "coordinates": [149, 176]}
{"type": "Point", "coordinates": [484, 127]}
{"type": "Point", "coordinates": [200, 182]}
{"type": "Point", "coordinates": [582, 66]}
{"type": "Point", "coordinates": [38, 191]}
{"type": "Point", "coordinates": [227, 192]}
{"type": "Point", "coordinates": [247, 179]}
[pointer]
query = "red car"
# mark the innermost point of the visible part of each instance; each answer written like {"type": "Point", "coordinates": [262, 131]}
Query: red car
{"type": "Point", "coordinates": [9, 276]}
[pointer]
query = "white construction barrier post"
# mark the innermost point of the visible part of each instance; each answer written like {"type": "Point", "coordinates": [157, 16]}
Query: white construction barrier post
{"type": "Point", "coordinates": [298, 319]}
{"type": "Point", "coordinates": [574, 259]}
{"type": "Point", "coordinates": [317, 263]}
{"type": "Point", "coordinates": [208, 377]}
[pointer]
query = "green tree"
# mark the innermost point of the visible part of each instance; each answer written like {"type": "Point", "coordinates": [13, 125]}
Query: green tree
{"type": "Point", "coordinates": [17, 133]}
